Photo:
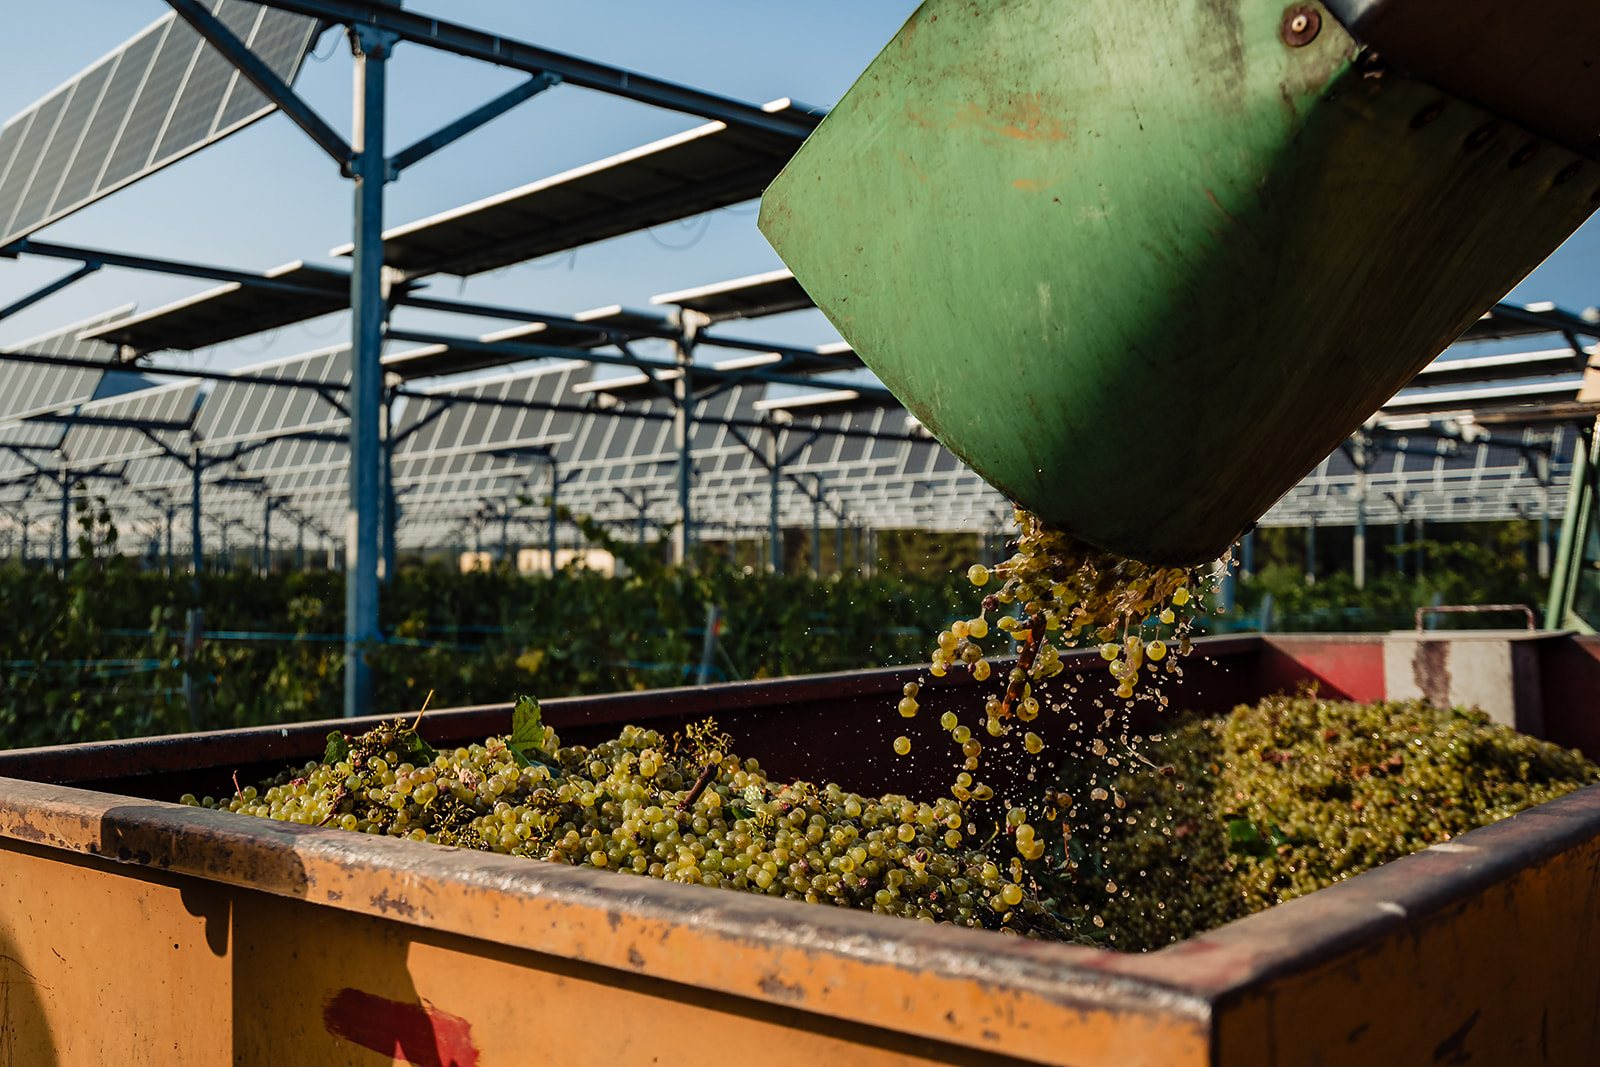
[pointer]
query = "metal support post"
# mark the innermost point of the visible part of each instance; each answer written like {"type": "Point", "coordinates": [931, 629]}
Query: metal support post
{"type": "Point", "coordinates": [682, 432]}
{"type": "Point", "coordinates": [365, 397]}
{"type": "Point", "coordinates": [1544, 534]}
{"type": "Point", "coordinates": [708, 646]}
{"type": "Point", "coordinates": [1361, 451]}
{"type": "Point", "coordinates": [194, 627]}
{"type": "Point", "coordinates": [816, 532]}
{"type": "Point", "coordinates": [838, 543]}
{"type": "Point", "coordinates": [774, 527]}
{"type": "Point", "coordinates": [66, 525]}
{"type": "Point", "coordinates": [1358, 545]}
{"type": "Point", "coordinates": [1400, 546]}
{"type": "Point", "coordinates": [1311, 552]}
{"type": "Point", "coordinates": [391, 511]}
{"type": "Point", "coordinates": [300, 548]}
{"type": "Point", "coordinates": [196, 558]}
{"type": "Point", "coordinates": [1421, 533]}
{"type": "Point", "coordinates": [505, 534]}
{"type": "Point", "coordinates": [171, 514]}
{"type": "Point", "coordinates": [689, 324]}
{"type": "Point", "coordinates": [266, 536]}
{"type": "Point", "coordinates": [555, 485]}
{"type": "Point", "coordinates": [1574, 524]}
{"type": "Point", "coordinates": [682, 539]}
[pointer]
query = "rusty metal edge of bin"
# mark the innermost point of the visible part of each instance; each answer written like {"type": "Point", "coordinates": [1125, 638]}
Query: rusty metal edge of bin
{"type": "Point", "coordinates": [1044, 1002]}
{"type": "Point", "coordinates": [1034, 1000]}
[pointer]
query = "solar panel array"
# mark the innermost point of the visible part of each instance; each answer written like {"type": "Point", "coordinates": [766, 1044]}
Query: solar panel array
{"type": "Point", "coordinates": [1435, 479]}
{"type": "Point", "coordinates": [469, 454]}
{"type": "Point", "coordinates": [157, 98]}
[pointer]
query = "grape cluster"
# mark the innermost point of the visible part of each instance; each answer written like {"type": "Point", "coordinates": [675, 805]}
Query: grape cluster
{"type": "Point", "coordinates": [685, 810]}
{"type": "Point", "coordinates": [1073, 591]}
{"type": "Point", "coordinates": [1279, 799]}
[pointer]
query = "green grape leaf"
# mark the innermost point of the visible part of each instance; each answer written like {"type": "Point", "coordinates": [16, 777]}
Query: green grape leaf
{"type": "Point", "coordinates": [527, 730]}
{"type": "Point", "coordinates": [338, 748]}
{"type": "Point", "coordinates": [411, 744]}
{"type": "Point", "coordinates": [1244, 837]}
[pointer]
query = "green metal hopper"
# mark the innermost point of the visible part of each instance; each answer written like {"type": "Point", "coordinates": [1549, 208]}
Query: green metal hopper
{"type": "Point", "coordinates": [1143, 263]}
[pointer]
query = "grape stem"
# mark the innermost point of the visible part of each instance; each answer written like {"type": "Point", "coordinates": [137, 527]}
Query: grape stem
{"type": "Point", "coordinates": [699, 787]}
{"type": "Point", "coordinates": [339, 797]}
{"type": "Point", "coordinates": [1025, 658]}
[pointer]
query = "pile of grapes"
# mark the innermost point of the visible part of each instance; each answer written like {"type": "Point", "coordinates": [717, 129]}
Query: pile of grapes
{"type": "Point", "coordinates": [1277, 800]}
{"type": "Point", "coordinates": [684, 809]}
{"type": "Point", "coordinates": [1136, 846]}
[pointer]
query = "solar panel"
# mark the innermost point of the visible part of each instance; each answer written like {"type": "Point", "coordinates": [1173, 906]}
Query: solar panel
{"type": "Point", "coordinates": [81, 99]}
{"type": "Point", "coordinates": [41, 125]}
{"type": "Point", "coordinates": [129, 66]}
{"type": "Point", "coordinates": [706, 168]}
{"type": "Point", "coordinates": [232, 311]}
{"type": "Point", "coordinates": [87, 445]}
{"type": "Point", "coordinates": [239, 412]}
{"type": "Point", "coordinates": [160, 96]}
{"type": "Point", "coordinates": [1443, 371]}
{"type": "Point", "coordinates": [1500, 394]}
{"type": "Point", "coordinates": [772, 293]}
{"type": "Point", "coordinates": [437, 360]}
{"type": "Point", "coordinates": [22, 441]}
{"type": "Point", "coordinates": [27, 388]}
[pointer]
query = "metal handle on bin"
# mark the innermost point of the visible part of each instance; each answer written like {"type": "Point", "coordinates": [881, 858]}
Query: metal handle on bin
{"type": "Point", "coordinates": [1477, 608]}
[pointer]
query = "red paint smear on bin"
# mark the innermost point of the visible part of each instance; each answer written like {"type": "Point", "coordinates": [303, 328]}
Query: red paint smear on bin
{"type": "Point", "coordinates": [418, 1034]}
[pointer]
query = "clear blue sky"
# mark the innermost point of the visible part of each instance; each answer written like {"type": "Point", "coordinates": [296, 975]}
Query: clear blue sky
{"type": "Point", "coordinates": [266, 195]}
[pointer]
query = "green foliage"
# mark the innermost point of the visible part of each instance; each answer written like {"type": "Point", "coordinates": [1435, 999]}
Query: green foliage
{"type": "Point", "coordinates": [65, 676]}
{"type": "Point", "coordinates": [527, 730]}
{"type": "Point", "coordinates": [480, 637]}
{"type": "Point", "coordinates": [1491, 571]}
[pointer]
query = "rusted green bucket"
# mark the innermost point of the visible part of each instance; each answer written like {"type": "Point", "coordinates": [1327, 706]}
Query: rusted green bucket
{"type": "Point", "coordinates": [1143, 263]}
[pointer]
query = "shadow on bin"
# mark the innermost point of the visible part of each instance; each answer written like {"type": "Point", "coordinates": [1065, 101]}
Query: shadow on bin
{"type": "Point", "coordinates": [25, 1036]}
